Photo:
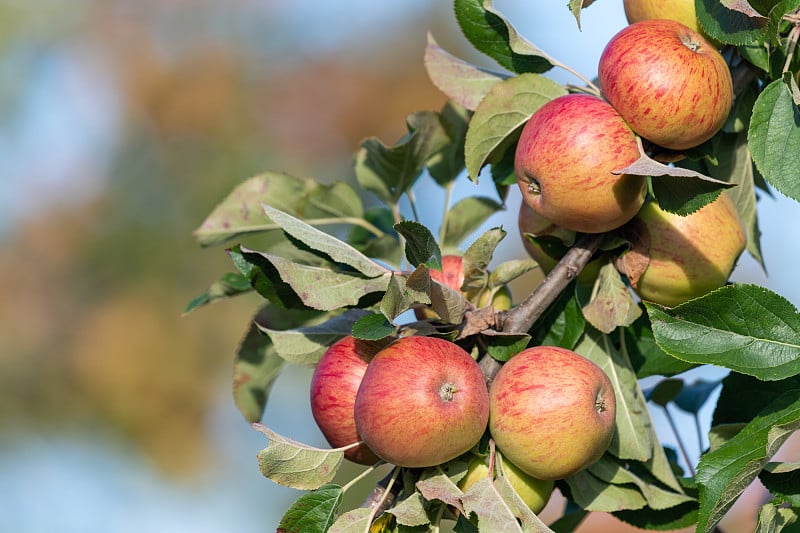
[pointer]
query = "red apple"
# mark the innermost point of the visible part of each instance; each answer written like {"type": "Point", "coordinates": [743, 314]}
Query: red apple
{"type": "Point", "coordinates": [551, 412]}
{"type": "Point", "coordinates": [423, 401]}
{"type": "Point", "coordinates": [564, 161]}
{"type": "Point", "coordinates": [333, 394]}
{"type": "Point", "coordinates": [691, 255]}
{"type": "Point", "coordinates": [667, 82]}
{"type": "Point", "coordinates": [452, 272]}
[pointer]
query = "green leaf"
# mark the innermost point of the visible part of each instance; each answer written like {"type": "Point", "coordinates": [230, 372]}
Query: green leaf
{"type": "Point", "coordinates": [421, 247]}
{"type": "Point", "coordinates": [305, 345]}
{"type": "Point", "coordinates": [612, 304]}
{"type": "Point", "coordinates": [313, 512]}
{"type": "Point", "coordinates": [296, 465]}
{"type": "Point", "coordinates": [502, 113]}
{"type": "Point", "coordinates": [241, 213]}
{"type": "Point", "coordinates": [677, 189]}
{"type": "Point", "coordinates": [575, 7]}
{"type": "Point", "coordinates": [400, 296]}
{"type": "Point", "coordinates": [569, 520]}
{"type": "Point", "coordinates": [353, 521]}
{"type": "Point", "coordinates": [466, 216]}
{"type": "Point", "coordinates": [436, 484]}
{"type": "Point", "coordinates": [783, 480]}
{"type": "Point", "coordinates": [496, 511]}
{"type": "Point", "coordinates": [462, 82]}
{"type": "Point", "coordinates": [318, 288]}
{"type": "Point", "coordinates": [742, 26]}
{"type": "Point", "coordinates": [255, 369]}
{"type": "Point", "coordinates": [680, 516]}
{"type": "Point", "coordinates": [593, 494]}
{"type": "Point", "coordinates": [384, 246]}
{"type": "Point", "coordinates": [390, 171]}
{"type": "Point", "coordinates": [339, 251]}
{"type": "Point", "coordinates": [230, 284]}
{"type": "Point", "coordinates": [411, 511]}
{"type": "Point", "coordinates": [490, 33]}
{"type": "Point", "coordinates": [742, 327]}
{"type": "Point", "coordinates": [772, 519]}
{"type": "Point", "coordinates": [373, 327]}
{"type": "Point", "coordinates": [477, 258]}
{"type": "Point", "coordinates": [735, 166]}
{"type": "Point", "coordinates": [645, 355]}
{"type": "Point", "coordinates": [658, 498]}
{"type": "Point", "coordinates": [508, 271]}
{"type": "Point", "coordinates": [562, 324]}
{"type": "Point", "coordinates": [504, 346]}
{"type": "Point", "coordinates": [529, 520]}
{"type": "Point", "coordinates": [631, 436]}
{"type": "Point", "coordinates": [265, 278]}
{"type": "Point", "coordinates": [447, 164]}
{"type": "Point", "coordinates": [743, 397]}
{"type": "Point", "coordinates": [774, 138]}
{"type": "Point", "coordinates": [726, 472]}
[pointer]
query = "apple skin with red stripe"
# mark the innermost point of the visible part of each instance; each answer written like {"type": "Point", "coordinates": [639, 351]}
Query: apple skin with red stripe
{"type": "Point", "coordinates": [551, 412]}
{"type": "Point", "coordinates": [667, 82]}
{"type": "Point", "coordinates": [565, 161]}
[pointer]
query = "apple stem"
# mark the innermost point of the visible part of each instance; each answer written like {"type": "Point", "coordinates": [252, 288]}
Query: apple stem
{"type": "Point", "coordinates": [791, 43]}
{"type": "Point", "coordinates": [383, 495]}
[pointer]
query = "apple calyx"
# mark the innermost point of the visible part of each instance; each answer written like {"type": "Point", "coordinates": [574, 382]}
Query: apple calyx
{"type": "Point", "coordinates": [600, 404]}
{"type": "Point", "coordinates": [447, 392]}
{"type": "Point", "coordinates": [692, 44]}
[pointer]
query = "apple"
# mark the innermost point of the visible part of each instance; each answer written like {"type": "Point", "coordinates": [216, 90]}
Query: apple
{"type": "Point", "coordinates": [547, 243]}
{"type": "Point", "coordinates": [551, 412]}
{"type": "Point", "coordinates": [534, 492]}
{"type": "Point", "coordinates": [564, 161]}
{"type": "Point", "coordinates": [667, 82]}
{"type": "Point", "coordinates": [691, 255]}
{"type": "Point", "coordinates": [333, 394]}
{"type": "Point", "coordinates": [423, 401]}
{"type": "Point", "coordinates": [682, 11]}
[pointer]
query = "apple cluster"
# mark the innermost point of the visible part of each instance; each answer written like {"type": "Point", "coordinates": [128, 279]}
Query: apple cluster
{"type": "Point", "coordinates": [661, 81]}
{"type": "Point", "coordinates": [421, 401]}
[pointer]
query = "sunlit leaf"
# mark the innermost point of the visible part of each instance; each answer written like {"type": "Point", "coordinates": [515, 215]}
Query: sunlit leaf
{"type": "Point", "coordinates": [294, 464]}
{"type": "Point", "coordinates": [594, 494]}
{"type": "Point", "coordinates": [645, 355]}
{"type": "Point", "coordinates": [726, 472]}
{"type": "Point", "coordinates": [774, 138]}
{"type": "Point", "coordinates": [462, 82]}
{"type": "Point", "coordinates": [508, 271]}
{"type": "Point", "coordinates": [477, 258]}
{"type": "Point", "coordinates": [575, 7]}
{"type": "Point", "coordinates": [743, 327]}
{"type": "Point", "coordinates": [339, 251]}
{"type": "Point", "coordinates": [562, 324]}
{"type": "Point", "coordinates": [612, 304]}
{"type": "Point", "coordinates": [773, 519]}
{"type": "Point", "coordinates": [436, 484]}
{"type": "Point", "coordinates": [494, 512]}
{"type": "Point", "coordinates": [657, 497]}
{"type": "Point", "coordinates": [411, 511]}
{"type": "Point", "coordinates": [373, 327]}
{"type": "Point", "coordinates": [489, 32]}
{"type": "Point", "coordinates": [499, 117]}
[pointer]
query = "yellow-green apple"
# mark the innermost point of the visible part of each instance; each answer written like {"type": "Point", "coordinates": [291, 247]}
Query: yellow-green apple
{"type": "Point", "coordinates": [423, 401]}
{"type": "Point", "coordinates": [691, 255]}
{"type": "Point", "coordinates": [682, 11]}
{"type": "Point", "coordinates": [667, 82]}
{"type": "Point", "coordinates": [535, 230]}
{"type": "Point", "coordinates": [564, 164]}
{"type": "Point", "coordinates": [551, 412]}
{"type": "Point", "coordinates": [333, 395]}
{"type": "Point", "coordinates": [534, 492]}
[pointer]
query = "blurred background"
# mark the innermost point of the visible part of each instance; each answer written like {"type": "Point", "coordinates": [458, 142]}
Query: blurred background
{"type": "Point", "coordinates": [122, 123]}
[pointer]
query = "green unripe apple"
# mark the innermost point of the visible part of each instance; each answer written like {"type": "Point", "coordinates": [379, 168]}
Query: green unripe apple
{"type": "Point", "coordinates": [692, 255]}
{"type": "Point", "coordinates": [534, 492]}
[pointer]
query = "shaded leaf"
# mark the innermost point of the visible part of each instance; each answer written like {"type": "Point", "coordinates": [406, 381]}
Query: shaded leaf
{"type": "Point", "coordinates": [447, 164]}
{"type": "Point", "coordinates": [562, 324]}
{"type": "Point", "coordinates": [508, 271]}
{"type": "Point", "coordinates": [476, 260]}
{"type": "Point", "coordinates": [658, 498]}
{"type": "Point", "coordinates": [725, 473]}
{"type": "Point", "coordinates": [502, 113]}
{"type": "Point", "coordinates": [783, 480]}
{"type": "Point", "coordinates": [305, 345]}
{"type": "Point", "coordinates": [494, 512]}
{"type": "Point", "coordinates": [772, 519]}
{"type": "Point", "coordinates": [400, 296]}
{"type": "Point", "coordinates": [774, 138]}
{"type": "Point", "coordinates": [230, 284]}
{"type": "Point", "coordinates": [680, 516]}
{"type": "Point", "coordinates": [384, 246]}
{"type": "Point", "coordinates": [593, 494]}
{"type": "Point", "coordinates": [255, 369]}
{"type": "Point", "coordinates": [462, 82]}
{"type": "Point", "coordinates": [645, 355]}
{"type": "Point", "coordinates": [692, 397]}
{"type": "Point", "coordinates": [296, 465]}
{"type": "Point", "coordinates": [390, 171]}
{"type": "Point", "coordinates": [743, 397]}
{"type": "Point", "coordinates": [313, 512]}
{"type": "Point", "coordinates": [664, 391]}
{"type": "Point", "coordinates": [421, 247]}
{"type": "Point", "coordinates": [743, 327]}
{"type": "Point", "coordinates": [504, 346]}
